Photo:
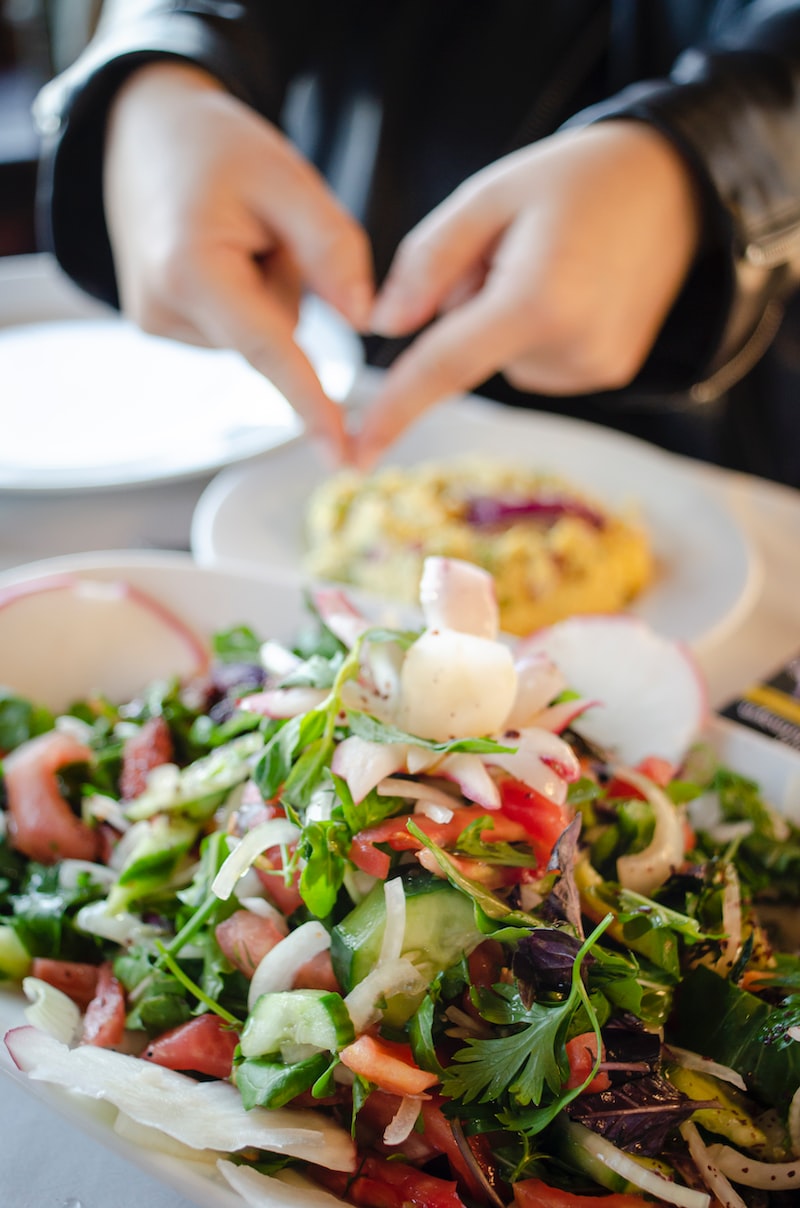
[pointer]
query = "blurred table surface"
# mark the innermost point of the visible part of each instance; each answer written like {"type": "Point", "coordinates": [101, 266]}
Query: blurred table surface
{"type": "Point", "coordinates": [45, 1162]}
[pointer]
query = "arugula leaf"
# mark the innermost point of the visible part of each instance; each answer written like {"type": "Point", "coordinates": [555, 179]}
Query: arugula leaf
{"type": "Point", "coordinates": [238, 644]}
{"type": "Point", "coordinates": [471, 843]}
{"type": "Point", "coordinates": [295, 735]}
{"type": "Point", "coordinates": [20, 720]}
{"type": "Point", "coordinates": [324, 846]}
{"type": "Point", "coordinates": [372, 730]}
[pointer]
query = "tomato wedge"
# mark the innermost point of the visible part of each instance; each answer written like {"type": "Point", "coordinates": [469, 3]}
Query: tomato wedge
{"type": "Point", "coordinates": [104, 1021]}
{"type": "Point", "coordinates": [381, 1183]}
{"type": "Point", "coordinates": [533, 1193]}
{"type": "Point", "coordinates": [245, 938]}
{"type": "Point", "coordinates": [78, 981]}
{"type": "Point", "coordinates": [394, 832]}
{"type": "Point", "coordinates": [542, 819]}
{"type": "Point", "coordinates": [204, 1045]}
{"type": "Point", "coordinates": [581, 1055]}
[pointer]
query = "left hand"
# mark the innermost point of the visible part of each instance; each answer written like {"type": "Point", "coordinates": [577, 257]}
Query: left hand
{"type": "Point", "coordinates": [556, 265]}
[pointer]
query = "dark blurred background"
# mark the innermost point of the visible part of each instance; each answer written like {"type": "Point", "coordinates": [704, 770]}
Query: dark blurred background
{"type": "Point", "coordinates": [38, 38]}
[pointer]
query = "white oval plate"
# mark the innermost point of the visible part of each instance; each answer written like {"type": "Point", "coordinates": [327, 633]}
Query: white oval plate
{"type": "Point", "coordinates": [707, 574]}
{"type": "Point", "coordinates": [205, 599]}
{"type": "Point", "coordinates": [92, 402]}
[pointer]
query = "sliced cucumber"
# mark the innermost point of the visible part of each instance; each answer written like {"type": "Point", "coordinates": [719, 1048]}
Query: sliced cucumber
{"type": "Point", "coordinates": [159, 845]}
{"type": "Point", "coordinates": [15, 960]}
{"type": "Point", "coordinates": [440, 929]}
{"type": "Point", "coordinates": [283, 1020]}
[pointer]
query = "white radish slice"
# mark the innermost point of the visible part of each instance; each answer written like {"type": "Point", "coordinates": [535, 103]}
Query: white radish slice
{"type": "Point", "coordinates": [556, 718]}
{"type": "Point", "coordinates": [455, 685]}
{"type": "Point", "coordinates": [339, 615]}
{"type": "Point", "coordinates": [363, 765]}
{"type": "Point", "coordinates": [459, 595]}
{"type": "Point", "coordinates": [283, 702]}
{"type": "Point", "coordinates": [539, 681]}
{"type": "Point", "coordinates": [653, 696]}
{"type": "Point", "coordinates": [93, 637]}
{"type": "Point", "coordinates": [469, 772]}
{"type": "Point", "coordinates": [202, 1115]}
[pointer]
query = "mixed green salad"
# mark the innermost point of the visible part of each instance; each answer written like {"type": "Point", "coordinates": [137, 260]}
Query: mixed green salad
{"type": "Point", "coordinates": [372, 917]}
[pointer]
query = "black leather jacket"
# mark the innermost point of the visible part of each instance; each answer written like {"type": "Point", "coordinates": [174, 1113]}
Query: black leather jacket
{"type": "Point", "coordinates": [398, 102]}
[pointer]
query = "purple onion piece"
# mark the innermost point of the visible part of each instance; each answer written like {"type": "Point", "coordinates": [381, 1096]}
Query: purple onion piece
{"type": "Point", "coordinates": [484, 511]}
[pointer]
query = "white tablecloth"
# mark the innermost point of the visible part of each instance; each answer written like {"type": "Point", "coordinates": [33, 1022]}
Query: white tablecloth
{"type": "Point", "coordinates": [46, 1163]}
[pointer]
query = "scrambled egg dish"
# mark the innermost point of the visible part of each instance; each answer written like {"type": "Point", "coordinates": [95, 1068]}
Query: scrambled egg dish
{"type": "Point", "coordinates": [552, 550]}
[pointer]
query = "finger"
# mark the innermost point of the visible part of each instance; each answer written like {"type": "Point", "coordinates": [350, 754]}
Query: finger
{"type": "Point", "coordinates": [458, 351]}
{"type": "Point", "coordinates": [236, 311]}
{"type": "Point", "coordinates": [442, 258]}
{"type": "Point", "coordinates": [329, 246]}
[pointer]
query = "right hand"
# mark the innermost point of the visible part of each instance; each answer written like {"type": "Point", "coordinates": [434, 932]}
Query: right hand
{"type": "Point", "coordinates": [217, 223]}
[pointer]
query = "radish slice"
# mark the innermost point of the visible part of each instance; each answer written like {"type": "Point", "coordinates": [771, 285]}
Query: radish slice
{"type": "Point", "coordinates": [470, 774]}
{"type": "Point", "coordinates": [539, 681]}
{"type": "Point", "coordinates": [202, 1115]}
{"type": "Point", "coordinates": [93, 637]}
{"type": "Point", "coordinates": [653, 697]}
{"type": "Point", "coordinates": [455, 685]}
{"type": "Point", "coordinates": [363, 765]}
{"type": "Point", "coordinates": [556, 718]}
{"type": "Point", "coordinates": [282, 702]}
{"type": "Point", "coordinates": [458, 595]}
{"type": "Point", "coordinates": [338, 615]}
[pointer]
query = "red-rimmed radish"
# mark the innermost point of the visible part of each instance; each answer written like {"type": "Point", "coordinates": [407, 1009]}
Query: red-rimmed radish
{"type": "Point", "coordinates": [339, 615]}
{"type": "Point", "coordinates": [92, 637]}
{"type": "Point", "coordinates": [458, 595]}
{"type": "Point", "coordinates": [363, 764]}
{"type": "Point", "coordinates": [653, 699]}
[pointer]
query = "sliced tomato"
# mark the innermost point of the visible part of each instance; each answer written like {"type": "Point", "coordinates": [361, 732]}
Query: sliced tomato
{"type": "Point", "coordinates": [104, 1021]}
{"type": "Point", "coordinates": [388, 1064]}
{"type": "Point", "coordinates": [543, 820]}
{"type": "Point", "coordinates": [245, 938]}
{"type": "Point", "coordinates": [41, 824]}
{"type": "Point", "coordinates": [485, 963]}
{"type": "Point", "coordinates": [76, 980]}
{"type": "Point", "coordinates": [269, 867]}
{"type": "Point", "coordinates": [660, 771]}
{"type": "Point", "coordinates": [150, 747]}
{"type": "Point", "coordinates": [533, 1193]}
{"type": "Point", "coordinates": [581, 1055]}
{"type": "Point", "coordinates": [204, 1045]}
{"type": "Point", "coordinates": [394, 832]}
{"type": "Point", "coordinates": [438, 1132]}
{"type": "Point", "coordinates": [381, 1183]}
{"type": "Point", "coordinates": [317, 974]}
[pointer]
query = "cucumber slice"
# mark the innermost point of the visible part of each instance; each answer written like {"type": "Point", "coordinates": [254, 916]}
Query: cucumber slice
{"type": "Point", "coordinates": [283, 1020]}
{"type": "Point", "coordinates": [440, 929]}
{"type": "Point", "coordinates": [15, 960]}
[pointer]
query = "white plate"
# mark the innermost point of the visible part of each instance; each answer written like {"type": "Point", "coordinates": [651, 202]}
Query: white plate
{"type": "Point", "coordinates": [207, 599]}
{"type": "Point", "coordinates": [92, 402]}
{"type": "Point", "coordinates": [707, 576]}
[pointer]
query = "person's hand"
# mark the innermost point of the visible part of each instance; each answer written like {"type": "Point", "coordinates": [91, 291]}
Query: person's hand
{"type": "Point", "coordinates": [557, 265]}
{"type": "Point", "coordinates": [216, 225]}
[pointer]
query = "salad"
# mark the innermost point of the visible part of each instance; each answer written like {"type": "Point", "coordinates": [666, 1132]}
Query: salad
{"type": "Point", "coordinates": [412, 916]}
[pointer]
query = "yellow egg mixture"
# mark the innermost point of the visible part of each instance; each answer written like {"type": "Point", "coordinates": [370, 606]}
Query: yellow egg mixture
{"type": "Point", "coordinates": [553, 551]}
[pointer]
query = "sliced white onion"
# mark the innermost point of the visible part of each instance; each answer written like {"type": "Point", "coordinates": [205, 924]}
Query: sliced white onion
{"type": "Point", "coordinates": [645, 871]}
{"type": "Point", "coordinates": [395, 929]}
{"type": "Point", "coordinates": [70, 873]}
{"type": "Point", "coordinates": [277, 660]}
{"type": "Point", "coordinates": [459, 595]}
{"type": "Point", "coordinates": [793, 1123]}
{"type": "Point", "coordinates": [81, 731]}
{"type": "Point", "coordinates": [455, 685]}
{"type": "Point", "coordinates": [433, 810]}
{"type": "Point", "coordinates": [740, 1168]}
{"type": "Point", "coordinates": [641, 1176]}
{"type": "Point", "coordinates": [202, 1115]}
{"type": "Point", "coordinates": [274, 832]}
{"type": "Point", "coordinates": [392, 977]}
{"type": "Point", "coordinates": [105, 809]}
{"type": "Point", "coordinates": [469, 772]}
{"type": "Point", "coordinates": [265, 910]}
{"type": "Point", "coordinates": [412, 789]}
{"type": "Point", "coordinates": [362, 764]}
{"type": "Point", "coordinates": [704, 1065]}
{"type": "Point", "coordinates": [710, 1173]}
{"type": "Point", "coordinates": [52, 1010]}
{"type": "Point", "coordinates": [731, 922]}
{"type": "Point", "coordinates": [121, 928]}
{"type": "Point", "coordinates": [277, 970]}
{"type": "Point", "coordinates": [539, 681]}
{"type": "Point", "coordinates": [128, 843]}
{"type": "Point", "coordinates": [402, 1123]}
{"type": "Point", "coordinates": [421, 759]}
{"type": "Point", "coordinates": [266, 1191]}
{"type": "Point", "coordinates": [279, 703]}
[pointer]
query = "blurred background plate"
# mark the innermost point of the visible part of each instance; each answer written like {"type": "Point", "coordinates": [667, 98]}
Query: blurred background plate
{"type": "Point", "coordinates": [91, 402]}
{"type": "Point", "coordinates": [707, 574]}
